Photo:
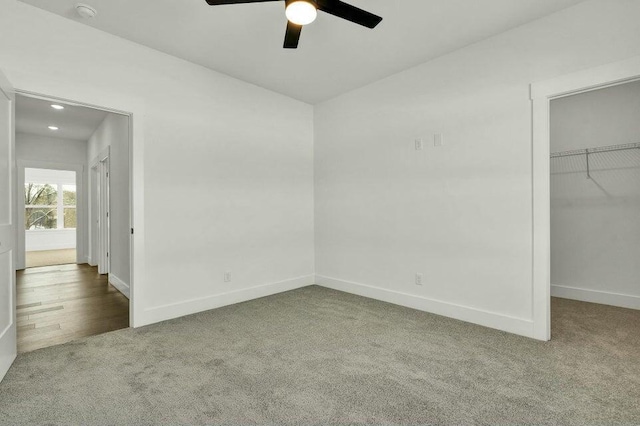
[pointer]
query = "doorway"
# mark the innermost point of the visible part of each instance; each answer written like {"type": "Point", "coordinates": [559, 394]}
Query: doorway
{"type": "Point", "coordinates": [541, 95]}
{"type": "Point", "coordinates": [67, 285]}
{"type": "Point", "coordinates": [595, 205]}
{"type": "Point", "coordinates": [100, 221]}
{"type": "Point", "coordinates": [50, 217]}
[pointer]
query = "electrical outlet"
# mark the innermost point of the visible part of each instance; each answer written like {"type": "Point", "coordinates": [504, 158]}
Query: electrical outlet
{"type": "Point", "coordinates": [227, 277]}
{"type": "Point", "coordinates": [438, 140]}
{"type": "Point", "coordinates": [419, 278]}
{"type": "Point", "coordinates": [419, 144]}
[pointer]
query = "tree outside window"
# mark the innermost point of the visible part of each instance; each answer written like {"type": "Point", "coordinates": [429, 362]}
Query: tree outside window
{"type": "Point", "coordinates": [46, 202]}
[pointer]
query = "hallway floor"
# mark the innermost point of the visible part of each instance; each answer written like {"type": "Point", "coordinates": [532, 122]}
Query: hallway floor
{"type": "Point", "coordinates": [34, 259]}
{"type": "Point", "coordinates": [57, 304]}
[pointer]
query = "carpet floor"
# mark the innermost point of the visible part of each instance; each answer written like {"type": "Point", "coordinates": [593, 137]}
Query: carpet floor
{"type": "Point", "coordinates": [319, 356]}
{"type": "Point", "coordinates": [34, 259]}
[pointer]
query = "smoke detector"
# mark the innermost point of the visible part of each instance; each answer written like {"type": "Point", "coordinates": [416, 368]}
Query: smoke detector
{"type": "Point", "coordinates": [86, 11]}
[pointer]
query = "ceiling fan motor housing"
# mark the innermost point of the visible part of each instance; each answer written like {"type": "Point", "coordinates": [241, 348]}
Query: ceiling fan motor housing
{"type": "Point", "coordinates": [313, 2]}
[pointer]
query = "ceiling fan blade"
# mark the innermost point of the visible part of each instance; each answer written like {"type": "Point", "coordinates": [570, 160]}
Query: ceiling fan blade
{"type": "Point", "coordinates": [292, 36]}
{"type": "Point", "coordinates": [220, 2]}
{"type": "Point", "coordinates": [350, 13]}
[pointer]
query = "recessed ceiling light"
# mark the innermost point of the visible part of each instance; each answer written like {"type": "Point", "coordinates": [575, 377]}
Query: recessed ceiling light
{"type": "Point", "coordinates": [55, 106]}
{"type": "Point", "coordinates": [53, 128]}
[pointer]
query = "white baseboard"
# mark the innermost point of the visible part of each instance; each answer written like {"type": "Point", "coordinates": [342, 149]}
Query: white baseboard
{"type": "Point", "coordinates": [120, 285]}
{"type": "Point", "coordinates": [502, 322]}
{"type": "Point", "coordinates": [188, 307]}
{"type": "Point", "coordinates": [596, 296]}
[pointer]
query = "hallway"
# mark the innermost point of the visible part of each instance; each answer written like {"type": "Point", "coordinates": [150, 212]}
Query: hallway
{"type": "Point", "coordinates": [57, 304]}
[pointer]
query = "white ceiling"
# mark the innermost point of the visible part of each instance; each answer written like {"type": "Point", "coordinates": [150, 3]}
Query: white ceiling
{"type": "Point", "coordinates": [334, 56]}
{"type": "Point", "coordinates": [34, 116]}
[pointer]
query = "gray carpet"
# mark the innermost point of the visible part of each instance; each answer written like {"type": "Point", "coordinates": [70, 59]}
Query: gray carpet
{"type": "Point", "coordinates": [318, 356]}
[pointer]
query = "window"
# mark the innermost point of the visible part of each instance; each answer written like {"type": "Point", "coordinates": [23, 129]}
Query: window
{"type": "Point", "coordinates": [69, 205]}
{"type": "Point", "coordinates": [46, 203]}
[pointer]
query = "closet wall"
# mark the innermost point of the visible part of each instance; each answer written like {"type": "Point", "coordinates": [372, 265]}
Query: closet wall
{"type": "Point", "coordinates": [595, 223]}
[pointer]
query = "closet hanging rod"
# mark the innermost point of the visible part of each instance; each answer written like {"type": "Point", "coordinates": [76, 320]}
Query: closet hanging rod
{"type": "Point", "coordinates": [610, 148]}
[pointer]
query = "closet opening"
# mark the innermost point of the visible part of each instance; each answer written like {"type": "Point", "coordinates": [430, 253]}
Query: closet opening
{"type": "Point", "coordinates": [595, 213]}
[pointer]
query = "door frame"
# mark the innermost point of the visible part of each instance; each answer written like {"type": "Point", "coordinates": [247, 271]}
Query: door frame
{"type": "Point", "coordinates": [109, 99]}
{"type": "Point", "coordinates": [542, 93]}
{"type": "Point", "coordinates": [8, 338]}
{"type": "Point", "coordinates": [81, 232]}
{"type": "Point", "coordinates": [101, 166]}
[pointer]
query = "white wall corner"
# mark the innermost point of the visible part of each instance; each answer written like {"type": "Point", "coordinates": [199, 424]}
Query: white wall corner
{"type": "Point", "coordinates": [521, 326]}
{"type": "Point", "coordinates": [120, 285]}
{"type": "Point", "coordinates": [193, 306]}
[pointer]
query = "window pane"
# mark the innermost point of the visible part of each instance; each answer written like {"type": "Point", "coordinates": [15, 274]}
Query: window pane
{"type": "Point", "coordinates": [40, 218]}
{"type": "Point", "coordinates": [70, 218]}
{"type": "Point", "coordinates": [40, 194]}
{"type": "Point", "coordinates": [69, 195]}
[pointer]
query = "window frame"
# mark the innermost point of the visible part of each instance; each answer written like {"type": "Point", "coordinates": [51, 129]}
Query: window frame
{"type": "Point", "coordinates": [59, 207]}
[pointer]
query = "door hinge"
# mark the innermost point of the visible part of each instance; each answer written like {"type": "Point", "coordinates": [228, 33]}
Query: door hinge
{"type": "Point", "coordinates": [107, 254]}
{"type": "Point", "coordinates": [131, 231]}
{"type": "Point", "coordinates": [107, 214]}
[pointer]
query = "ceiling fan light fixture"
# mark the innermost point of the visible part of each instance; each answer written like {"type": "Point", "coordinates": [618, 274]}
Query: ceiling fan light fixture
{"type": "Point", "coordinates": [301, 12]}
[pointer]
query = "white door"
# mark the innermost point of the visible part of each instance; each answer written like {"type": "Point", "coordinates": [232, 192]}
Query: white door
{"type": "Point", "coordinates": [8, 347]}
{"type": "Point", "coordinates": [104, 221]}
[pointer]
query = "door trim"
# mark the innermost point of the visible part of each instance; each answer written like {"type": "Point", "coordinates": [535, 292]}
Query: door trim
{"type": "Point", "coordinates": [8, 339]}
{"type": "Point", "coordinates": [44, 86]}
{"type": "Point", "coordinates": [81, 232]}
{"type": "Point", "coordinates": [101, 164]}
{"type": "Point", "coordinates": [541, 95]}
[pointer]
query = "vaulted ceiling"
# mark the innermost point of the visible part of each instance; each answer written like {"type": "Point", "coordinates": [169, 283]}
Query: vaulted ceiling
{"type": "Point", "coordinates": [334, 56]}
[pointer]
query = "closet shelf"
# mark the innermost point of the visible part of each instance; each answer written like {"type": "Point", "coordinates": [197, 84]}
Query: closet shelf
{"type": "Point", "coordinates": [599, 150]}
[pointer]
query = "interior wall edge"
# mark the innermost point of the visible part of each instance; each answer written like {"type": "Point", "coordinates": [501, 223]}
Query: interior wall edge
{"type": "Point", "coordinates": [120, 285]}
{"type": "Point", "coordinates": [520, 326]}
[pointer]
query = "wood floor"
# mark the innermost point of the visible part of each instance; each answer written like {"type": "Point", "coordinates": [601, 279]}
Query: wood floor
{"type": "Point", "coordinates": [57, 304]}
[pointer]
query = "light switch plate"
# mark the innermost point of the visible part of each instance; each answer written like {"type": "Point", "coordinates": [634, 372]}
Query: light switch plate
{"type": "Point", "coordinates": [438, 140]}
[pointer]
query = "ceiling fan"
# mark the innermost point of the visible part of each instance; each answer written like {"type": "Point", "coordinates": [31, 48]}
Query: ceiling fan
{"type": "Point", "coordinates": [303, 12]}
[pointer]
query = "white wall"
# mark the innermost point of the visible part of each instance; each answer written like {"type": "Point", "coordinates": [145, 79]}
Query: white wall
{"type": "Point", "coordinates": [595, 223]}
{"type": "Point", "coordinates": [228, 170]}
{"type": "Point", "coordinates": [34, 149]}
{"type": "Point", "coordinates": [50, 239]}
{"type": "Point", "coordinates": [114, 133]}
{"type": "Point", "coordinates": [461, 214]}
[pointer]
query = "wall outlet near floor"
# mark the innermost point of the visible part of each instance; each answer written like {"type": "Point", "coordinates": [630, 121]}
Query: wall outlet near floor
{"type": "Point", "coordinates": [419, 278]}
{"type": "Point", "coordinates": [227, 277]}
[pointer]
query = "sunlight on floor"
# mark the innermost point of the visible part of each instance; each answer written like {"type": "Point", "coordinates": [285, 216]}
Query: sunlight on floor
{"type": "Point", "coordinates": [50, 257]}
